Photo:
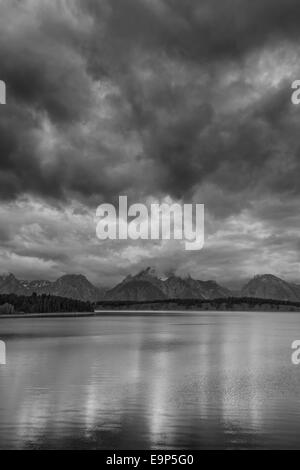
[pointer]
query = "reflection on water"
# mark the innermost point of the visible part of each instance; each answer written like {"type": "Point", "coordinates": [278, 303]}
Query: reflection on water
{"type": "Point", "coordinates": [185, 380]}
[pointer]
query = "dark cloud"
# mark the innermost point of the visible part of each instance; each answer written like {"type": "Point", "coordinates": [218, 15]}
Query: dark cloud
{"type": "Point", "coordinates": [157, 99]}
{"type": "Point", "coordinates": [187, 99]}
{"type": "Point", "coordinates": [198, 31]}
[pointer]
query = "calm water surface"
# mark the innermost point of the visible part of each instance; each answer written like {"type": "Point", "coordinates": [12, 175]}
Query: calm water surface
{"type": "Point", "coordinates": [160, 381]}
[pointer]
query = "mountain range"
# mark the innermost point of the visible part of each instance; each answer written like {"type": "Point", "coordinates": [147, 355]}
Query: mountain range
{"type": "Point", "coordinates": [73, 286]}
{"type": "Point", "coordinates": [149, 285]}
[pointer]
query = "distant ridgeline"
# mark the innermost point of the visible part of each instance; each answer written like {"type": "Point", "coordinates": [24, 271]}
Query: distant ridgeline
{"type": "Point", "coordinates": [230, 303]}
{"type": "Point", "coordinates": [11, 303]}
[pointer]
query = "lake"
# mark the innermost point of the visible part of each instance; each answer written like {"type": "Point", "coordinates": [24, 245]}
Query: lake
{"type": "Point", "coordinates": [180, 380]}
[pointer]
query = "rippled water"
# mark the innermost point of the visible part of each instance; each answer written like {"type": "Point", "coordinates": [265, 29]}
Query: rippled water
{"type": "Point", "coordinates": [184, 380]}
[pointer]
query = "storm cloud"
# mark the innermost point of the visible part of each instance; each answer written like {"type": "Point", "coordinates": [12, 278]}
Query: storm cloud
{"type": "Point", "coordinates": [152, 99]}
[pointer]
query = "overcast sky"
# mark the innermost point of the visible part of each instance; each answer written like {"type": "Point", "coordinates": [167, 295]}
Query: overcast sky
{"type": "Point", "coordinates": [182, 99]}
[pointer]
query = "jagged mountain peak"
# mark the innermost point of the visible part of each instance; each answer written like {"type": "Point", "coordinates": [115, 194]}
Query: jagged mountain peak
{"type": "Point", "coordinates": [9, 284]}
{"type": "Point", "coordinates": [149, 270]}
{"type": "Point", "coordinates": [152, 272]}
{"type": "Point", "coordinates": [73, 278]}
{"type": "Point", "coordinates": [169, 286]}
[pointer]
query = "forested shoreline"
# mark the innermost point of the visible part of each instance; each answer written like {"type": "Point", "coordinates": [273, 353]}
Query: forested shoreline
{"type": "Point", "coordinates": [230, 303]}
{"type": "Point", "coordinates": [11, 303]}
{"type": "Point", "coordinates": [43, 304]}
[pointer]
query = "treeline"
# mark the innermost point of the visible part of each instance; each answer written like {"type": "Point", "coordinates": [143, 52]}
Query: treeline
{"type": "Point", "coordinates": [42, 304]}
{"type": "Point", "coordinates": [228, 303]}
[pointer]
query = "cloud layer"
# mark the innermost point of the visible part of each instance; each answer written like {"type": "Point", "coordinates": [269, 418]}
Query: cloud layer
{"type": "Point", "coordinates": [152, 99]}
